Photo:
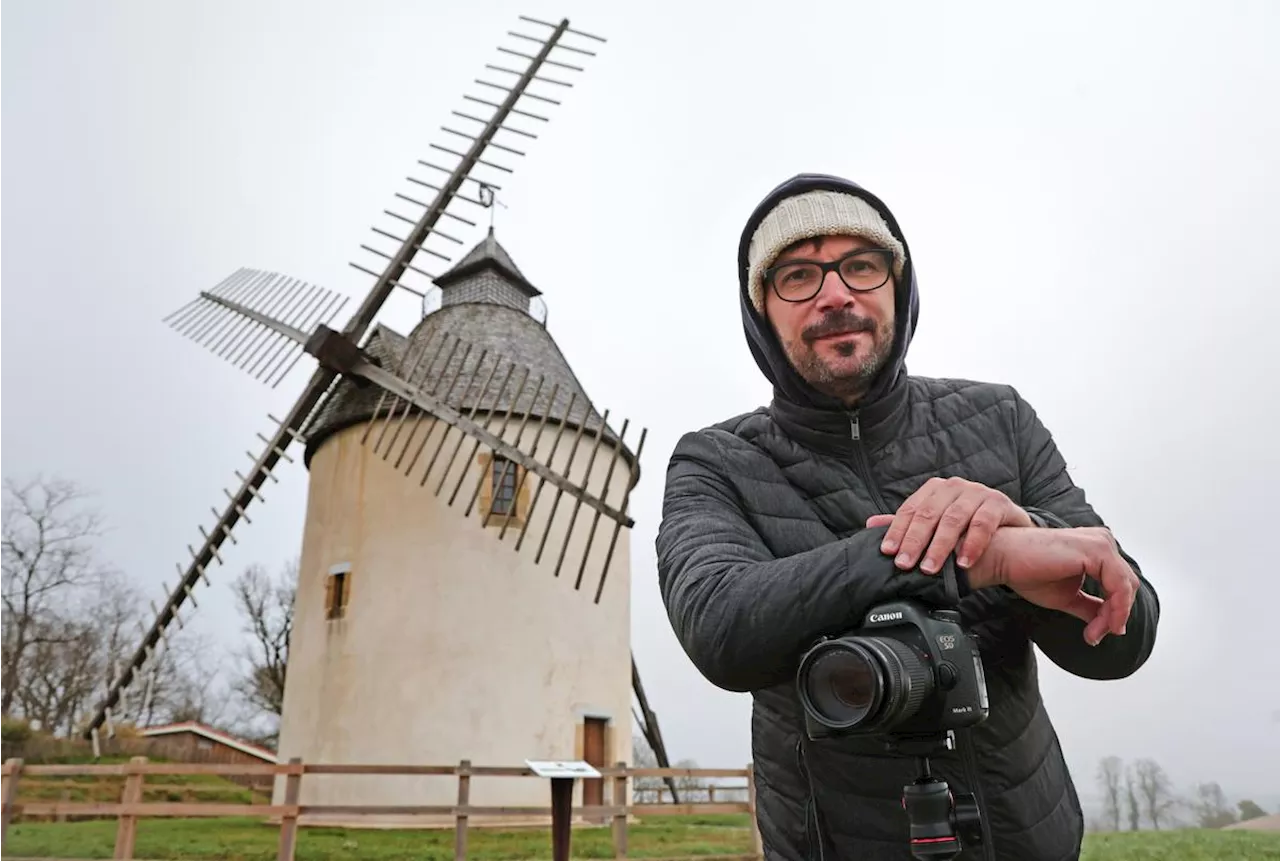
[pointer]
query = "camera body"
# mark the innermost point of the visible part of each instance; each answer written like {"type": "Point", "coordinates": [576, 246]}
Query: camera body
{"type": "Point", "coordinates": [908, 670]}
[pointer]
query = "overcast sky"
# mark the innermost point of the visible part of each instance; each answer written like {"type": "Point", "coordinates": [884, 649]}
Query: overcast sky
{"type": "Point", "coordinates": [1090, 191]}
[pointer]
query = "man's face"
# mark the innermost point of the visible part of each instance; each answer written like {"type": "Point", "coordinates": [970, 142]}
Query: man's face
{"type": "Point", "coordinates": [839, 339]}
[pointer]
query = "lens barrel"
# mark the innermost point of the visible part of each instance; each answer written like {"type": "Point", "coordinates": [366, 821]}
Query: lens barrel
{"type": "Point", "coordinates": [868, 683]}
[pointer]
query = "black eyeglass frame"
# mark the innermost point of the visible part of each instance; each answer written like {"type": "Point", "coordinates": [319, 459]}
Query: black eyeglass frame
{"type": "Point", "coordinates": [831, 266]}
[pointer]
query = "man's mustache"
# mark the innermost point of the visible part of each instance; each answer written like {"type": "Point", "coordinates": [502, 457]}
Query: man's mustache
{"type": "Point", "coordinates": [838, 323]}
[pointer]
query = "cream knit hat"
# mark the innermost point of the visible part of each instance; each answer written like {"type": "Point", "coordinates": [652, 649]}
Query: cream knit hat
{"type": "Point", "coordinates": [814, 213]}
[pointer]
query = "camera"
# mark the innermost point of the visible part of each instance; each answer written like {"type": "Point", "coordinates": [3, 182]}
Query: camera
{"type": "Point", "coordinates": [907, 671]}
{"type": "Point", "coordinates": [913, 675]}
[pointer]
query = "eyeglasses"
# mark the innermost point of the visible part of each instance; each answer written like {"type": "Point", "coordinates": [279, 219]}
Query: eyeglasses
{"type": "Point", "coordinates": [862, 271]}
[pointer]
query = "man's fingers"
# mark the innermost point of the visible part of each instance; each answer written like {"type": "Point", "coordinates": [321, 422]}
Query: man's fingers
{"type": "Point", "coordinates": [1089, 610]}
{"type": "Point", "coordinates": [982, 526]}
{"type": "Point", "coordinates": [952, 523]}
{"type": "Point", "coordinates": [914, 525]}
{"type": "Point", "coordinates": [902, 521]}
{"type": "Point", "coordinates": [905, 516]}
{"type": "Point", "coordinates": [1096, 629]}
{"type": "Point", "coordinates": [1120, 586]}
{"type": "Point", "coordinates": [877, 520]}
{"type": "Point", "coordinates": [1119, 607]}
{"type": "Point", "coordinates": [898, 525]}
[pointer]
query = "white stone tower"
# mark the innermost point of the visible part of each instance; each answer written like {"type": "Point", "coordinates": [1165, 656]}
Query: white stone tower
{"type": "Point", "coordinates": [421, 635]}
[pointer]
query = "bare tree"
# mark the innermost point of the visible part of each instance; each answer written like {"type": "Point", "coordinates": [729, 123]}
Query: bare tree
{"type": "Point", "coordinates": [266, 605]}
{"type": "Point", "coordinates": [1155, 790]}
{"type": "Point", "coordinates": [1210, 807]}
{"type": "Point", "coordinates": [646, 790]}
{"type": "Point", "coordinates": [180, 684]}
{"type": "Point", "coordinates": [1131, 796]}
{"type": "Point", "coordinates": [58, 673]}
{"type": "Point", "coordinates": [691, 788]}
{"type": "Point", "coordinates": [47, 560]}
{"type": "Point", "coordinates": [1110, 774]}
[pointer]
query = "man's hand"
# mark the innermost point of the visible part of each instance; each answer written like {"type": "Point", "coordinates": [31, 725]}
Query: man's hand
{"type": "Point", "coordinates": [1048, 567]}
{"type": "Point", "coordinates": [941, 514]}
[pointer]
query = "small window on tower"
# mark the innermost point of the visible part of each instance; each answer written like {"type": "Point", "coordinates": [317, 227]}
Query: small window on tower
{"type": "Point", "coordinates": [504, 498]}
{"type": "Point", "coordinates": [337, 591]}
{"type": "Point", "coordinates": [503, 487]}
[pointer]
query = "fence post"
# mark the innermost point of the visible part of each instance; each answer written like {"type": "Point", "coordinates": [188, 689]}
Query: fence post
{"type": "Point", "coordinates": [127, 823]}
{"type": "Point", "coordinates": [756, 839]}
{"type": "Point", "coordinates": [464, 799]}
{"type": "Point", "coordinates": [619, 799]}
{"type": "Point", "coordinates": [289, 821]}
{"type": "Point", "coordinates": [12, 771]}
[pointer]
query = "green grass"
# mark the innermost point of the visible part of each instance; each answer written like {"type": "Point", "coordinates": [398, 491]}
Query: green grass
{"type": "Point", "coordinates": [657, 837]}
{"type": "Point", "coordinates": [190, 788]}
{"type": "Point", "coordinates": [251, 840]}
{"type": "Point", "coordinates": [1184, 845]}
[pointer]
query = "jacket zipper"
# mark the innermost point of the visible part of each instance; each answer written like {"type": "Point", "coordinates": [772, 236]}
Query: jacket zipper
{"type": "Point", "coordinates": [860, 460]}
{"type": "Point", "coordinates": [966, 745]}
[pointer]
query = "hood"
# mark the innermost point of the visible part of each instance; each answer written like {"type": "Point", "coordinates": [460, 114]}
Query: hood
{"type": "Point", "coordinates": [763, 342]}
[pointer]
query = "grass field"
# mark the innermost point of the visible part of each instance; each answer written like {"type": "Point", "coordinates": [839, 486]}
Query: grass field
{"type": "Point", "coordinates": [656, 837]}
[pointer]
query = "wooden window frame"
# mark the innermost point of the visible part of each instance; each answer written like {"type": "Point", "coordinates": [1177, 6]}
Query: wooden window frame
{"type": "Point", "coordinates": [337, 592]}
{"type": "Point", "coordinates": [521, 503]}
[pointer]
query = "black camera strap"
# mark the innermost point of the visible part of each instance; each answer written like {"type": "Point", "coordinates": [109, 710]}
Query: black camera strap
{"type": "Point", "coordinates": [951, 579]}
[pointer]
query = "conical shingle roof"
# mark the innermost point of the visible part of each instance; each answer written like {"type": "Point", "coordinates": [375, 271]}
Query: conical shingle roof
{"type": "Point", "coordinates": [478, 323]}
{"type": "Point", "coordinates": [488, 255]}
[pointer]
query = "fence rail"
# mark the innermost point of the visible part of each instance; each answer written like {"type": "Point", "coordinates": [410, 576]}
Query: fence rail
{"type": "Point", "coordinates": [130, 808]}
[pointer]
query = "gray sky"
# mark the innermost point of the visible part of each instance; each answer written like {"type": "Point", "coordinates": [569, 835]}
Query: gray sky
{"type": "Point", "coordinates": [1086, 188]}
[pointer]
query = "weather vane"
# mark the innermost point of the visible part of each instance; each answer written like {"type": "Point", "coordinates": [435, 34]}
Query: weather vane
{"type": "Point", "coordinates": [489, 200]}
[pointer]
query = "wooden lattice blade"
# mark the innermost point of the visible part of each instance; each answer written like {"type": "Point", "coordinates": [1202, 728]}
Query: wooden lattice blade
{"type": "Point", "coordinates": [461, 175]}
{"type": "Point", "coordinates": [258, 321]}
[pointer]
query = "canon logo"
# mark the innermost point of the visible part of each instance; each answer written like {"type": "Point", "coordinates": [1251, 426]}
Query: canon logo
{"type": "Point", "coordinates": [884, 617]}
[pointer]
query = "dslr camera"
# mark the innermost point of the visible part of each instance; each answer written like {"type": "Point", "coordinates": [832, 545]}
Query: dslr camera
{"type": "Point", "coordinates": [907, 671]}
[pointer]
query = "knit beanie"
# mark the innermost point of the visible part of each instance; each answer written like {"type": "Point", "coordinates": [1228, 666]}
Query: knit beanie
{"type": "Point", "coordinates": [814, 213]}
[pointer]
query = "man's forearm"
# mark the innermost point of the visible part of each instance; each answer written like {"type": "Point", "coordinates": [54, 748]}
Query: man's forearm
{"type": "Point", "coordinates": [1013, 564]}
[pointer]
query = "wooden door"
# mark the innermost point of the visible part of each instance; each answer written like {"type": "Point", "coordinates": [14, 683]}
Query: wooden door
{"type": "Point", "coordinates": [593, 752]}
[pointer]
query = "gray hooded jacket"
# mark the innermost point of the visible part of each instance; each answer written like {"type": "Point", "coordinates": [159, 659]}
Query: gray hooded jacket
{"type": "Point", "coordinates": [762, 549]}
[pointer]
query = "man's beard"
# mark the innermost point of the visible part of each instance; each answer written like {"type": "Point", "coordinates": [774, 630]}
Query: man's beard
{"type": "Point", "coordinates": [847, 383]}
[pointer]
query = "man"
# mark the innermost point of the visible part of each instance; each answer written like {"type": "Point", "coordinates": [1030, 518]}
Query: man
{"type": "Point", "coordinates": [854, 486]}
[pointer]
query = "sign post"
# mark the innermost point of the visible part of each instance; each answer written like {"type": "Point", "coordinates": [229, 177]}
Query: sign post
{"type": "Point", "coordinates": [562, 774]}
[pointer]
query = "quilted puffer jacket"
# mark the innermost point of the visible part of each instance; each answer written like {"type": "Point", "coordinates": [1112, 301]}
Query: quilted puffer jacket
{"type": "Point", "coordinates": [762, 549]}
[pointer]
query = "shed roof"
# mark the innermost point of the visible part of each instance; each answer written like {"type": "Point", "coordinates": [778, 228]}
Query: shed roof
{"type": "Point", "coordinates": [213, 735]}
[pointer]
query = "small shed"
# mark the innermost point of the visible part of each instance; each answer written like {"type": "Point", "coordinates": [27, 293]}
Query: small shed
{"type": "Point", "coordinates": [195, 742]}
{"type": "Point", "coordinates": [1262, 823]}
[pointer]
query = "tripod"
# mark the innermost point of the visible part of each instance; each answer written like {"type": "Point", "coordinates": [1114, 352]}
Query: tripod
{"type": "Point", "coordinates": [941, 822]}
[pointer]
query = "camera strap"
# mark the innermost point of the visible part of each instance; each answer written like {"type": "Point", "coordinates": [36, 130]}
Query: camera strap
{"type": "Point", "coordinates": [951, 579]}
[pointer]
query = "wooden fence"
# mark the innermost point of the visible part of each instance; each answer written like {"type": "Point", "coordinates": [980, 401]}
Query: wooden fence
{"type": "Point", "coordinates": [130, 808]}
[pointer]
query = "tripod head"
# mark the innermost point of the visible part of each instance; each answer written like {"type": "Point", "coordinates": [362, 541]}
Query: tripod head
{"type": "Point", "coordinates": [942, 823]}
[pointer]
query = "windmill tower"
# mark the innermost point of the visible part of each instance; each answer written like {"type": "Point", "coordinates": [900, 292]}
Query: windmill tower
{"type": "Point", "coordinates": [467, 500]}
{"type": "Point", "coordinates": [420, 636]}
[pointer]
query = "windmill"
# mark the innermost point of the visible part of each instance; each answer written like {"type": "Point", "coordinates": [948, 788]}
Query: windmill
{"type": "Point", "coordinates": [523, 461]}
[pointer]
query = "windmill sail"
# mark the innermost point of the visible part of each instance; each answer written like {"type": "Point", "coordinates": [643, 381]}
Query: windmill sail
{"type": "Point", "coordinates": [484, 150]}
{"type": "Point", "coordinates": [447, 382]}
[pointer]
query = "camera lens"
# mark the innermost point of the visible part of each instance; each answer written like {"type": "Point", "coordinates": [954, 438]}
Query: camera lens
{"type": "Point", "coordinates": [867, 682]}
{"type": "Point", "coordinates": [845, 685]}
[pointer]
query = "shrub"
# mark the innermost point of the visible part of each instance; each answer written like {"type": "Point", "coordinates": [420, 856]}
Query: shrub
{"type": "Point", "coordinates": [14, 736]}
